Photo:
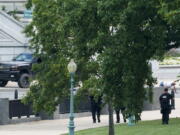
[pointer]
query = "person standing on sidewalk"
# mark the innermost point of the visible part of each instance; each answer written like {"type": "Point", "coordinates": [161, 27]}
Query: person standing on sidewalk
{"type": "Point", "coordinates": [173, 91]}
{"type": "Point", "coordinates": [118, 110]}
{"type": "Point", "coordinates": [96, 108]}
{"type": "Point", "coordinates": [164, 100]}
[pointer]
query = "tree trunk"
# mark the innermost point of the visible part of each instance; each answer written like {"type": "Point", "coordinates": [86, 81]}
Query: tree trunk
{"type": "Point", "coordinates": [111, 120]}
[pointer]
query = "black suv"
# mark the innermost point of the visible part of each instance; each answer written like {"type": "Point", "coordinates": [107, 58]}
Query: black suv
{"type": "Point", "coordinates": [18, 70]}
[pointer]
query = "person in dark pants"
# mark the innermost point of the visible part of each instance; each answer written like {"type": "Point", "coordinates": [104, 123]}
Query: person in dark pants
{"type": "Point", "coordinates": [173, 90]}
{"type": "Point", "coordinates": [172, 100]}
{"type": "Point", "coordinates": [165, 106]}
{"type": "Point", "coordinates": [117, 110]}
{"type": "Point", "coordinates": [96, 108]}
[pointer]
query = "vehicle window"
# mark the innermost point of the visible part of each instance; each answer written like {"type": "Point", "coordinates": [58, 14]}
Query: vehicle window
{"type": "Point", "coordinates": [24, 57]}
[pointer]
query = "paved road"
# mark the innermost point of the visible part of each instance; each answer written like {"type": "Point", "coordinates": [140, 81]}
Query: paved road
{"type": "Point", "coordinates": [8, 91]}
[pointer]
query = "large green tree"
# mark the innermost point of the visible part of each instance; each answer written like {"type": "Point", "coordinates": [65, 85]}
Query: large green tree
{"type": "Point", "coordinates": [170, 12]}
{"type": "Point", "coordinates": [112, 41]}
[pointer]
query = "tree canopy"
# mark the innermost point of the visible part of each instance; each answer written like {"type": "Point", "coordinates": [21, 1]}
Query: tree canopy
{"type": "Point", "coordinates": [170, 12]}
{"type": "Point", "coordinates": [111, 41]}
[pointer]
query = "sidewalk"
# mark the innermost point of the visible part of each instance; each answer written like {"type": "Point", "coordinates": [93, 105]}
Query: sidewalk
{"type": "Point", "coordinates": [57, 127]}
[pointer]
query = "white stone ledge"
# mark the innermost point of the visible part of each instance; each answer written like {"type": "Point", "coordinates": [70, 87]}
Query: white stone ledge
{"type": "Point", "coordinates": [169, 66]}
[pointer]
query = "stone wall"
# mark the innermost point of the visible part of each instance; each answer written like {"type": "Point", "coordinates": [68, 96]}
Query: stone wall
{"type": "Point", "coordinates": [155, 104]}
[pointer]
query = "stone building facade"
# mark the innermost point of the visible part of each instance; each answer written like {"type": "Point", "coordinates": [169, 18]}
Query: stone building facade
{"type": "Point", "coordinates": [12, 39]}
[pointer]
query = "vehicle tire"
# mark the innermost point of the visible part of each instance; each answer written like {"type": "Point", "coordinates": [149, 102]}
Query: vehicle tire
{"type": "Point", "coordinates": [23, 81]}
{"type": "Point", "coordinates": [3, 83]}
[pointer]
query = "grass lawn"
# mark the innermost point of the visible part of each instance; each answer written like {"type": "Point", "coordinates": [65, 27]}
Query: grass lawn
{"type": "Point", "coordinates": [141, 128]}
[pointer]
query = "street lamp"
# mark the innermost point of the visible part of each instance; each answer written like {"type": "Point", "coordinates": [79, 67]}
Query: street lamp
{"type": "Point", "coordinates": [72, 69]}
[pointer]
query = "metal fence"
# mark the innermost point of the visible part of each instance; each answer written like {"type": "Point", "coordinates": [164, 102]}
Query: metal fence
{"type": "Point", "coordinates": [18, 109]}
{"type": "Point", "coordinates": [83, 105]}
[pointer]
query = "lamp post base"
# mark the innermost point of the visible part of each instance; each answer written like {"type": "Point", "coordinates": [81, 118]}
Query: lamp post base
{"type": "Point", "coordinates": [71, 130]}
{"type": "Point", "coordinates": [71, 125]}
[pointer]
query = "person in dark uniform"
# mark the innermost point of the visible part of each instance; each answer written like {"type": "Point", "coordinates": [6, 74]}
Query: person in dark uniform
{"type": "Point", "coordinates": [96, 108]}
{"type": "Point", "coordinates": [118, 110]}
{"type": "Point", "coordinates": [173, 91]}
{"type": "Point", "coordinates": [165, 106]}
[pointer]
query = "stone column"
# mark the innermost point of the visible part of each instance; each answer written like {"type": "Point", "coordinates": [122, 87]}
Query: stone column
{"type": "Point", "coordinates": [105, 109]}
{"type": "Point", "coordinates": [155, 105]}
{"type": "Point", "coordinates": [4, 111]}
{"type": "Point", "coordinates": [56, 113]}
{"type": "Point", "coordinates": [45, 116]}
